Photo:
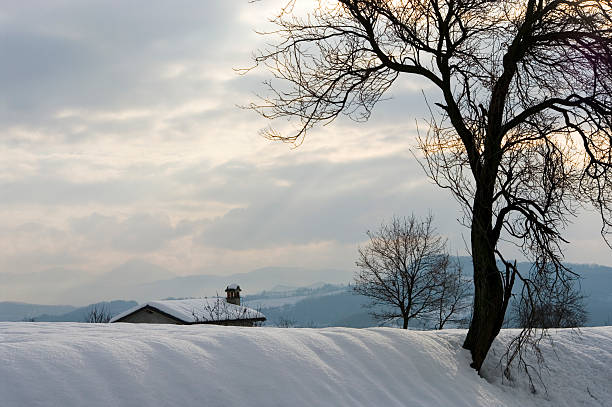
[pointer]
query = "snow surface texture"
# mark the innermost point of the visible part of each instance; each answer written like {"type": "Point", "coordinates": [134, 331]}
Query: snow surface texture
{"type": "Point", "coordinates": [198, 310]}
{"type": "Point", "coordinates": [71, 364]}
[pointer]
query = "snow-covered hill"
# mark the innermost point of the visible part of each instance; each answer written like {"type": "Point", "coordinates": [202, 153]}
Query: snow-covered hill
{"type": "Point", "coordinates": [71, 364]}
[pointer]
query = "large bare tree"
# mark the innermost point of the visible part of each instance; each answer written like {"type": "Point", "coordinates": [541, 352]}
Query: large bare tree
{"type": "Point", "coordinates": [520, 131]}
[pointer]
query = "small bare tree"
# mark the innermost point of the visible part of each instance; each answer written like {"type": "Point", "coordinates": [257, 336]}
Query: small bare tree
{"type": "Point", "coordinates": [284, 322]}
{"type": "Point", "coordinates": [403, 270]}
{"type": "Point", "coordinates": [98, 314]}
{"type": "Point", "coordinates": [544, 302]}
{"type": "Point", "coordinates": [548, 305]}
{"type": "Point", "coordinates": [452, 296]}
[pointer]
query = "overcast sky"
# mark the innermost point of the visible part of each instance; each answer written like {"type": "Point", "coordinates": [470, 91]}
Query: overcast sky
{"type": "Point", "coordinates": [121, 139]}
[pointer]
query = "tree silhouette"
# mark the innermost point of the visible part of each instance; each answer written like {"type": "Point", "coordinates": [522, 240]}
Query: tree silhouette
{"type": "Point", "coordinates": [520, 133]}
{"type": "Point", "coordinates": [406, 272]}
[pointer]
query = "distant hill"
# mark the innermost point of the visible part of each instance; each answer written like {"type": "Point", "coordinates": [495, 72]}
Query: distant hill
{"type": "Point", "coordinates": [595, 283]}
{"type": "Point", "coordinates": [19, 311]}
{"type": "Point", "coordinates": [144, 281]}
{"type": "Point", "coordinates": [80, 314]}
{"type": "Point", "coordinates": [78, 287]}
{"type": "Point", "coordinates": [123, 281]}
{"type": "Point", "coordinates": [336, 305]}
{"type": "Point", "coordinates": [283, 295]}
{"type": "Point", "coordinates": [252, 282]}
{"type": "Point", "coordinates": [337, 309]}
{"type": "Point", "coordinates": [597, 286]}
{"type": "Point", "coordinates": [308, 297]}
{"type": "Point", "coordinates": [317, 305]}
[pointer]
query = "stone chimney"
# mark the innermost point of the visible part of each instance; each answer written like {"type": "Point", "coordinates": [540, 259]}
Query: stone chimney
{"type": "Point", "coordinates": [233, 294]}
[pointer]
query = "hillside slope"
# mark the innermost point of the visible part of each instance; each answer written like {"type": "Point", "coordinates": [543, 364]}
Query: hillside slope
{"type": "Point", "coordinates": [70, 364]}
{"type": "Point", "coordinates": [81, 314]}
{"type": "Point", "coordinates": [19, 311]}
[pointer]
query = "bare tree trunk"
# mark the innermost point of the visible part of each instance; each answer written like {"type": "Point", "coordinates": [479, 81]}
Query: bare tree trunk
{"type": "Point", "coordinates": [405, 326]}
{"type": "Point", "coordinates": [488, 315]}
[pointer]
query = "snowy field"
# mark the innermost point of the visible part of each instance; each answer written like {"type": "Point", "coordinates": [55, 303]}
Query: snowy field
{"type": "Point", "coordinates": [71, 364]}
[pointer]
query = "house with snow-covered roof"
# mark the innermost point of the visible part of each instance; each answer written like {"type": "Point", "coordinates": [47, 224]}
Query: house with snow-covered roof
{"type": "Point", "coordinates": [216, 311]}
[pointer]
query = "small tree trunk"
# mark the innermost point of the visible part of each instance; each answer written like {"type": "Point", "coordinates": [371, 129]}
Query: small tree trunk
{"type": "Point", "coordinates": [405, 323]}
{"type": "Point", "coordinates": [488, 314]}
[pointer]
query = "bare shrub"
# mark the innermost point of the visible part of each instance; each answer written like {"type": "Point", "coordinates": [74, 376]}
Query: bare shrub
{"type": "Point", "coordinates": [98, 314]}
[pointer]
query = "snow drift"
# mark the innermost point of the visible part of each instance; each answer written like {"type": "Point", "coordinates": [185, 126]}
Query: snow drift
{"type": "Point", "coordinates": [70, 364]}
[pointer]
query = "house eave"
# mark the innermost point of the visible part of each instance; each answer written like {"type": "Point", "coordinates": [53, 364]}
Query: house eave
{"type": "Point", "coordinates": [148, 307]}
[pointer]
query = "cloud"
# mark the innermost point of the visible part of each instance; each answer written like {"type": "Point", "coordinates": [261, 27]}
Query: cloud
{"type": "Point", "coordinates": [137, 233]}
{"type": "Point", "coordinates": [322, 201]}
{"type": "Point", "coordinates": [31, 246]}
{"type": "Point", "coordinates": [104, 52]}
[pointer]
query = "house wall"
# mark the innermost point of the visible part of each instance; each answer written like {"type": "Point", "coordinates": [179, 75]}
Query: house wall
{"type": "Point", "coordinates": [148, 316]}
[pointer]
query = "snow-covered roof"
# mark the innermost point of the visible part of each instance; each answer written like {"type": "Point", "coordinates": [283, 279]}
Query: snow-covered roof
{"type": "Point", "coordinates": [233, 287]}
{"type": "Point", "coordinates": [198, 310]}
